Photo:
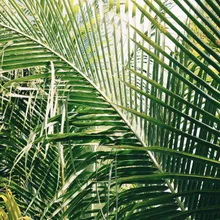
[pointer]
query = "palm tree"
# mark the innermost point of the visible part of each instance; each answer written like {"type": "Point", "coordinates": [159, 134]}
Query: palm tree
{"type": "Point", "coordinates": [110, 109]}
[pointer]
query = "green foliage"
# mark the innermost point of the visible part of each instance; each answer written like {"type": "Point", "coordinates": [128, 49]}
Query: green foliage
{"type": "Point", "coordinates": [12, 207]}
{"type": "Point", "coordinates": [110, 110]}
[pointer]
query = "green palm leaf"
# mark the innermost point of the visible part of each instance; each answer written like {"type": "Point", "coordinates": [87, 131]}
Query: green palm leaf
{"type": "Point", "coordinates": [99, 119]}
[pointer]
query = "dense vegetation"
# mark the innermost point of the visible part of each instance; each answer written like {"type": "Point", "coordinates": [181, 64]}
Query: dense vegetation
{"type": "Point", "coordinates": [110, 109]}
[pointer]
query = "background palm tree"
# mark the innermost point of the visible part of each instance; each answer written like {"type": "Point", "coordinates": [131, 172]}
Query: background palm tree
{"type": "Point", "coordinates": [110, 109]}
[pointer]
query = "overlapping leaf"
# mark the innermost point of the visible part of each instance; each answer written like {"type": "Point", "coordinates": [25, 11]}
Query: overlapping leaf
{"type": "Point", "coordinates": [71, 91]}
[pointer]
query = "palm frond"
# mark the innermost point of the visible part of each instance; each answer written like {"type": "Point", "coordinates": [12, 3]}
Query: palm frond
{"type": "Point", "coordinates": [100, 119]}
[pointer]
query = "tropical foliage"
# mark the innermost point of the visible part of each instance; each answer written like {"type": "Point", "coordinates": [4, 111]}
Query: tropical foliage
{"type": "Point", "coordinates": [13, 210]}
{"type": "Point", "coordinates": [110, 109]}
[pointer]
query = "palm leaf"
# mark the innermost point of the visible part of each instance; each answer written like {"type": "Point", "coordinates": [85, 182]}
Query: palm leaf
{"type": "Point", "coordinates": [97, 130]}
